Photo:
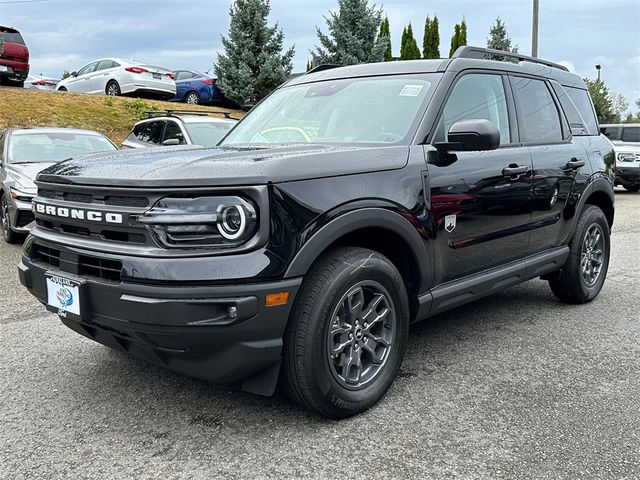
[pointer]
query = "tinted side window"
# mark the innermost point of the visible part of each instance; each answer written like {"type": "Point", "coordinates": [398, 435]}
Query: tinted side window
{"type": "Point", "coordinates": [610, 132]}
{"type": "Point", "coordinates": [631, 134]}
{"type": "Point", "coordinates": [104, 64]}
{"type": "Point", "coordinates": [172, 131]}
{"type": "Point", "coordinates": [582, 101]}
{"type": "Point", "coordinates": [540, 119]}
{"type": "Point", "coordinates": [137, 130]}
{"type": "Point", "coordinates": [576, 122]}
{"type": "Point", "coordinates": [477, 96]}
{"type": "Point", "coordinates": [153, 132]}
{"type": "Point", "coordinates": [88, 68]}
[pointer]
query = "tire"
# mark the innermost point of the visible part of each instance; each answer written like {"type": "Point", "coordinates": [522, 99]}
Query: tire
{"type": "Point", "coordinates": [632, 188]}
{"type": "Point", "coordinates": [112, 89]}
{"type": "Point", "coordinates": [7, 232]}
{"type": "Point", "coordinates": [62, 89]}
{"type": "Point", "coordinates": [583, 276]}
{"type": "Point", "coordinates": [312, 374]}
{"type": "Point", "coordinates": [192, 98]}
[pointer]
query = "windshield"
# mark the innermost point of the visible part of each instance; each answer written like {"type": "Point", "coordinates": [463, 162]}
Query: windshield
{"type": "Point", "coordinates": [356, 110]}
{"type": "Point", "coordinates": [208, 134]}
{"type": "Point", "coordinates": [54, 147]}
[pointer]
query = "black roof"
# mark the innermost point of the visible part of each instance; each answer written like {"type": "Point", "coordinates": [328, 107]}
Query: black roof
{"type": "Point", "coordinates": [463, 59]}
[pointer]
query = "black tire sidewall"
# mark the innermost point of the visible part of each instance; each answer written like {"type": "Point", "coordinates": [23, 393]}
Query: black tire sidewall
{"type": "Point", "coordinates": [112, 82]}
{"type": "Point", "coordinates": [339, 400]}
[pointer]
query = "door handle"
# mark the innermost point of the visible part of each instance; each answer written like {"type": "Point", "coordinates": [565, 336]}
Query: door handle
{"type": "Point", "coordinates": [574, 164]}
{"type": "Point", "coordinates": [514, 170]}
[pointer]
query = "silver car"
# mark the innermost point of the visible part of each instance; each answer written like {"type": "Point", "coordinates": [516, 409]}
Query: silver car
{"type": "Point", "coordinates": [25, 152]}
{"type": "Point", "coordinates": [626, 141]}
{"type": "Point", "coordinates": [179, 127]}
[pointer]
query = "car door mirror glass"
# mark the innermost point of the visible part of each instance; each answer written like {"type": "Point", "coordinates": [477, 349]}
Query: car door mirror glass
{"type": "Point", "coordinates": [471, 135]}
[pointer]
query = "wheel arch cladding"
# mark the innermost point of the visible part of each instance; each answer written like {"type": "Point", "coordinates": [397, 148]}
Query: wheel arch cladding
{"type": "Point", "coordinates": [377, 229]}
{"type": "Point", "coordinates": [602, 199]}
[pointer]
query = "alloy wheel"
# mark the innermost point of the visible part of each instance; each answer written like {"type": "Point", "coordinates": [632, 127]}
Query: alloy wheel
{"type": "Point", "coordinates": [592, 255]}
{"type": "Point", "coordinates": [361, 334]}
{"type": "Point", "coordinates": [192, 98]}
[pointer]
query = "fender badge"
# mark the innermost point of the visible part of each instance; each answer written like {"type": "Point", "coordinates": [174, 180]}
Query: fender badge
{"type": "Point", "coordinates": [450, 223]}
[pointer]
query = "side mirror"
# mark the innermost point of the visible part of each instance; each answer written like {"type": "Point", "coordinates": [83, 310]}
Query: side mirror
{"type": "Point", "coordinates": [470, 136]}
{"type": "Point", "coordinates": [171, 141]}
{"type": "Point", "coordinates": [74, 74]}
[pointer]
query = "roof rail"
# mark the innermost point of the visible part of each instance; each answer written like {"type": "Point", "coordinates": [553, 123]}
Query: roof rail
{"type": "Point", "coordinates": [169, 113]}
{"type": "Point", "coordinates": [324, 66]}
{"type": "Point", "coordinates": [479, 52]}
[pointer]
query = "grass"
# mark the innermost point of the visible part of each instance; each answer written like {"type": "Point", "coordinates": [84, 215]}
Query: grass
{"type": "Point", "coordinates": [111, 116]}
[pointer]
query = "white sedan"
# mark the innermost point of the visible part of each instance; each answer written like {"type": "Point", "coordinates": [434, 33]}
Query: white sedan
{"type": "Point", "coordinates": [116, 76]}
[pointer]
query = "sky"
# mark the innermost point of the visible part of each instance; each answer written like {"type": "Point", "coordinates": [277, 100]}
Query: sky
{"type": "Point", "coordinates": [66, 34]}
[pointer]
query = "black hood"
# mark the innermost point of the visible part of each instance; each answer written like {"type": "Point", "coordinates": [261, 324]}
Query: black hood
{"type": "Point", "coordinates": [197, 166]}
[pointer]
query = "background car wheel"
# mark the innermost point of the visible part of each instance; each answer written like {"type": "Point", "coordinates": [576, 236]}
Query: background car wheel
{"type": "Point", "coordinates": [112, 89]}
{"type": "Point", "coordinates": [7, 233]}
{"type": "Point", "coordinates": [632, 188]}
{"type": "Point", "coordinates": [192, 98]}
{"type": "Point", "coordinates": [582, 277]}
{"type": "Point", "coordinates": [62, 89]}
{"type": "Point", "coordinates": [347, 333]}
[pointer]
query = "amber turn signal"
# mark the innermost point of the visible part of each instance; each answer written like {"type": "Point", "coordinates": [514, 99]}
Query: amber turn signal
{"type": "Point", "coordinates": [275, 299]}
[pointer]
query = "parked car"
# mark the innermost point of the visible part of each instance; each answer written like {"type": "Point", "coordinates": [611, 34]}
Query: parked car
{"type": "Point", "coordinates": [116, 76]}
{"type": "Point", "coordinates": [24, 152]}
{"type": "Point", "coordinates": [195, 88]}
{"type": "Point", "coordinates": [14, 58]}
{"type": "Point", "coordinates": [37, 82]}
{"type": "Point", "coordinates": [349, 203]}
{"type": "Point", "coordinates": [180, 127]}
{"type": "Point", "coordinates": [626, 140]}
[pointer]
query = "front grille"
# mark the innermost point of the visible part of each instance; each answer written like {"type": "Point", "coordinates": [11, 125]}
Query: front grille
{"type": "Point", "coordinates": [24, 218]}
{"type": "Point", "coordinates": [102, 234]}
{"type": "Point", "coordinates": [114, 200]}
{"type": "Point", "coordinates": [84, 265]}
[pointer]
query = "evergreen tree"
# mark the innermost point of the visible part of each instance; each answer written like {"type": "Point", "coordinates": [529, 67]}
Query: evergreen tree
{"type": "Point", "coordinates": [253, 62]}
{"type": "Point", "coordinates": [435, 38]}
{"type": "Point", "coordinates": [353, 35]}
{"type": "Point", "coordinates": [309, 65]}
{"type": "Point", "coordinates": [601, 101]}
{"type": "Point", "coordinates": [459, 38]}
{"type": "Point", "coordinates": [462, 41]}
{"type": "Point", "coordinates": [499, 40]}
{"type": "Point", "coordinates": [409, 49]}
{"type": "Point", "coordinates": [385, 32]}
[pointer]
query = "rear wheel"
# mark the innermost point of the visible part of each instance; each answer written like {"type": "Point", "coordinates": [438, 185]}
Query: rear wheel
{"type": "Point", "coordinates": [193, 98]}
{"type": "Point", "coordinates": [583, 276]}
{"type": "Point", "coordinates": [7, 232]}
{"type": "Point", "coordinates": [347, 333]}
{"type": "Point", "coordinates": [62, 89]}
{"type": "Point", "coordinates": [112, 89]}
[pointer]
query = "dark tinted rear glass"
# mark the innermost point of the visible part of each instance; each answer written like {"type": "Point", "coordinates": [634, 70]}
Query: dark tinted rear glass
{"type": "Point", "coordinates": [631, 134]}
{"type": "Point", "coordinates": [12, 37]}
{"type": "Point", "coordinates": [610, 132]}
{"type": "Point", "coordinates": [582, 101]}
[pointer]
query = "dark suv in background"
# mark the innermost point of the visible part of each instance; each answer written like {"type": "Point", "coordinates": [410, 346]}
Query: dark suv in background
{"type": "Point", "coordinates": [348, 204]}
{"type": "Point", "coordinates": [14, 58]}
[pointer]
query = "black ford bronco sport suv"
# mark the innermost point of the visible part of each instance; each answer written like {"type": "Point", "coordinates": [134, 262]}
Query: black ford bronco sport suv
{"type": "Point", "coordinates": [348, 204]}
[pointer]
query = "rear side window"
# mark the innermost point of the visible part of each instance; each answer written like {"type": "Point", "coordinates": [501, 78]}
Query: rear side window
{"type": "Point", "coordinates": [631, 134]}
{"type": "Point", "coordinates": [610, 132]}
{"type": "Point", "coordinates": [540, 120]}
{"type": "Point", "coordinates": [576, 122]}
{"type": "Point", "coordinates": [12, 37]}
{"type": "Point", "coordinates": [478, 97]}
{"type": "Point", "coordinates": [152, 133]}
{"type": "Point", "coordinates": [104, 64]}
{"type": "Point", "coordinates": [582, 101]}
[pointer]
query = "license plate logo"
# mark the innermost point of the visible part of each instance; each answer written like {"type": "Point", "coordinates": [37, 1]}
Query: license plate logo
{"type": "Point", "coordinates": [64, 295]}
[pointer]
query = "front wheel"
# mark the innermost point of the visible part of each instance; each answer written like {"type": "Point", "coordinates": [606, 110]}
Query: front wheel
{"type": "Point", "coordinates": [582, 277]}
{"type": "Point", "coordinates": [7, 232]}
{"type": "Point", "coordinates": [347, 333]}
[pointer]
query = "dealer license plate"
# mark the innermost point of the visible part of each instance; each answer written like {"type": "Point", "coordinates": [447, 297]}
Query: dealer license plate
{"type": "Point", "coordinates": [63, 295]}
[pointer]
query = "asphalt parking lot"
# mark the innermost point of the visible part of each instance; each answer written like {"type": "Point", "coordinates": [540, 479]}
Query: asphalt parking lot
{"type": "Point", "coordinates": [515, 386]}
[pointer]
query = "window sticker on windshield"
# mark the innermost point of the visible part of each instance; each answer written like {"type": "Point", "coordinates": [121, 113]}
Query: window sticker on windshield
{"type": "Point", "coordinates": [411, 90]}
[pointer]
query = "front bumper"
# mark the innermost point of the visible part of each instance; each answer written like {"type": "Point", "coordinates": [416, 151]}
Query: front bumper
{"type": "Point", "coordinates": [21, 215]}
{"type": "Point", "coordinates": [184, 328]}
{"type": "Point", "coordinates": [627, 176]}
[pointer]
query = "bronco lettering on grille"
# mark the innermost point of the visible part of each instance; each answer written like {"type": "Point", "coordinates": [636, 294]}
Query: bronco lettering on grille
{"type": "Point", "coordinates": [78, 214]}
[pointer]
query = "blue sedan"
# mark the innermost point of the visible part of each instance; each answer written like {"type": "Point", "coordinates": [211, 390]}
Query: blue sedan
{"type": "Point", "coordinates": [195, 88]}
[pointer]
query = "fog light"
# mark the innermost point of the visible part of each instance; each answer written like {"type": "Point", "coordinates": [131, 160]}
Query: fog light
{"type": "Point", "coordinates": [275, 299]}
{"type": "Point", "coordinates": [232, 312]}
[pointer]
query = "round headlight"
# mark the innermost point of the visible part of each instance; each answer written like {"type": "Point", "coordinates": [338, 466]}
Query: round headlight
{"type": "Point", "coordinates": [233, 222]}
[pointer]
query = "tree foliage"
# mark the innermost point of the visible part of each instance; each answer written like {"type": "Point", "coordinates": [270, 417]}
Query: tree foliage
{"type": "Point", "coordinates": [253, 62]}
{"type": "Point", "coordinates": [500, 40]}
{"type": "Point", "coordinates": [459, 38]}
{"type": "Point", "coordinates": [353, 35]}
{"type": "Point", "coordinates": [601, 101]}
{"type": "Point", "coordinates": [409, 48]}
{"type": "Point", "coordinates": [431, 38]}
{"type": "Point", "coordinates": [385, 32]}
